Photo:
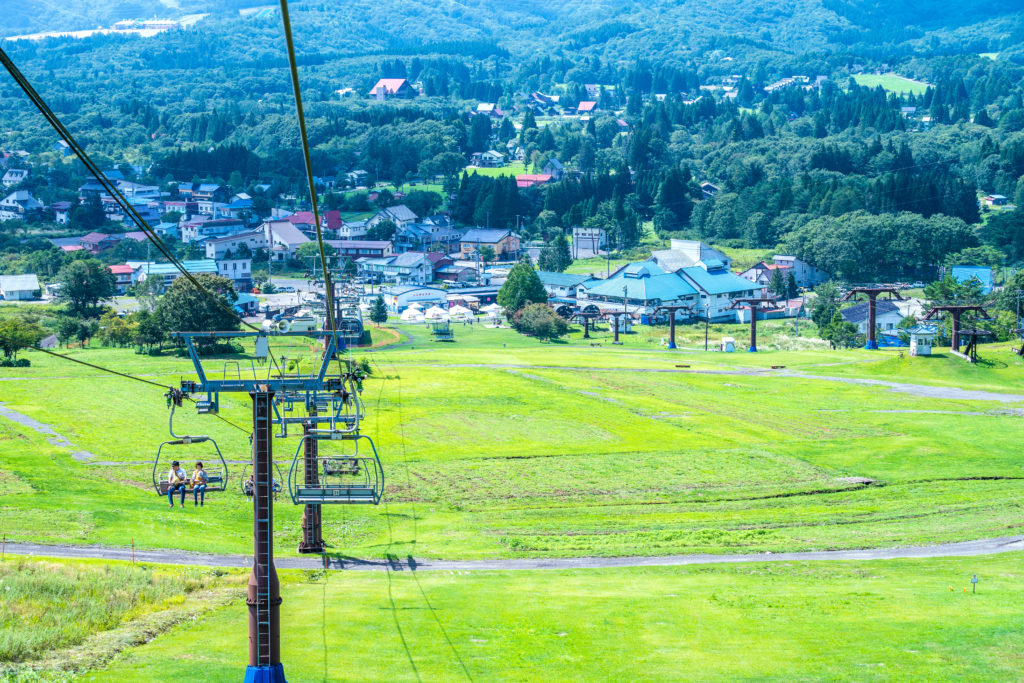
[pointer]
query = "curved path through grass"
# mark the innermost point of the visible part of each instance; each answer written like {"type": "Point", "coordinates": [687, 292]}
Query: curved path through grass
{"type": "Point", "coordinates": [986, 546]}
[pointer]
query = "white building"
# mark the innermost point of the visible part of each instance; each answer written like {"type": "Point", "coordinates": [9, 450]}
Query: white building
{"type": "Point", "coordinates": [238, 270]}
{"type": "Point", "coordinates": [352, 230]}
{"type": "Point", "coordinates": [399, 298]}
{"type": "Point", "coordinates": [15, 205]}
{"type": "Point", "coordinates": [283, 238]}
{"type": "Point", "coordinates": [217, 248]}
{"type": "Point", "coordinates": [19, 287]}
{"type": "Point", "coordinates": [804, 273]}
{"type": "Point", "coordinates": [400, 215]}
{"type": "Point", "coordinates": [13, 176]}
{"type": "Point", "coordinates": [688, 253]}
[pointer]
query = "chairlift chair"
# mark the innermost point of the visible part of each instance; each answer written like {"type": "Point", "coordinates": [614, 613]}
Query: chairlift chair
{"type": "Point", "coordinates": [248, 487]}
{"type": "Point", "coordinates": [217, 475]}
{"type": "Point", "coordinates": [342, 478]}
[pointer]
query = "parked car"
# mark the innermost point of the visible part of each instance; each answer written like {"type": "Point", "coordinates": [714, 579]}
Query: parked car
{"type": "Point", "coordinates": [285, 289]}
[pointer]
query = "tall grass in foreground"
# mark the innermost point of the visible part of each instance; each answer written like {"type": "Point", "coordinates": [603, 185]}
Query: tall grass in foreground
{"type": "Point", "coordinates": [48, 606]}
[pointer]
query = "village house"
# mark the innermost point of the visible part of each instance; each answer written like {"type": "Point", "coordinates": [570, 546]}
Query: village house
{"type": "Point", "coordinates": [427, 236]}
{"type": "Point", "coordinates": [588, 240]}
{"type": "Point", "coordinates": [351, 230]}
{"type": "Point", "coordinates": [588, 107]}
{"type": "Point", "coordinates": [887, 316]}
{"type": "Point", "coordinates": [399, 215]}
{"type": "Point", "coordinates": [166, 273]}
{"type": "Point", "coordinates": [203, 191]}
{"type": "Point", "coordinates": [805, 274]}
{"type": "Point", "coordinates": [61, 212]}
{"type": "Point", "coordinates": [387, 88]}
{"type": "Point", "coordinates": [504, 242]}
{"type": "Point", "coordinates": [283, 239]}
{"type": "Point", "coordinates": [203, 228]}
{"type": "Point", "coordinates": [19, 287]}
{"type": "Point", "coordinates": [221, 246]}
{"type": "Point", "coordinates": [124, 276]}
{"type": "Point", "coordinates": [411, 267]}
{"type": "Point", "coordinates": [561, 285]}
{"type": "Point", "coordinates": [18, 205]}
{"type": "Point", "coordinates": [554, 168]}
{"type": "Point", "coordinates": [489, 109]}
{"type": "Point", "coordinates": [238, 270]}
{"type": "Point", "coordinates": [488, 159]}
{"type": "Point", "coordinates": [13, 176]}
{"type": "Point", "coordinates": [96, 242]}
{"type": "Point", "coordinates": [356, 249]}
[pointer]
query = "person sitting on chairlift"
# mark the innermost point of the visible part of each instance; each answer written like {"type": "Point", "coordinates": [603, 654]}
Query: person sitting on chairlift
{"type": "Point", "coordinates": [176, 481]}
{"type": "Point", "coordinates": [199, 481]}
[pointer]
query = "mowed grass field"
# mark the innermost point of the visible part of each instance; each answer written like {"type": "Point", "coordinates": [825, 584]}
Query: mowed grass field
{"type": "Point", "coordinates": [884, 620]}
{"type": "Point", "coordinates": [892, 82]}
{"type": "Point", "coordinates": [499, 446]}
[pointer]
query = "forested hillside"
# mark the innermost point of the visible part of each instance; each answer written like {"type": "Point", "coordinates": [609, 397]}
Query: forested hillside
{"type": "Point", "coordinates": [686, 92]}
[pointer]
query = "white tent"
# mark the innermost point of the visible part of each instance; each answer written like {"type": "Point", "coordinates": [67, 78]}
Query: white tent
{"type": "Point", "coordinates": [460, 313]}
{"type": "Point", "coordinates": [412, 315]}
{"type": "Point", "coordinates": [364, 307]}
{"type": "Point", "coordinates": [436, 314]}
{"type": "Point", "coordinates": [492, 309]}
{"type": "Point", "coordinates": [417, 305]}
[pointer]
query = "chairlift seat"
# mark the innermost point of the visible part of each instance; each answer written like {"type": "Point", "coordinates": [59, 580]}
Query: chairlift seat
{"type": "Point", "coordinates": [334, 493]}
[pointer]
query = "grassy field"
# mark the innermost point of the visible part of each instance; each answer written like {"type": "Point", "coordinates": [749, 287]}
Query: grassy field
{"type": "Point", "coordinates": [892, 83]}
{"type": "Point", "coordinates": [512, 168]}
{"type": "Point", "coordinates": [103, 608]}
{"type": "Point", "coordinates": [891, 620]}
{"type": "Point", "coordinates": [498, 446]}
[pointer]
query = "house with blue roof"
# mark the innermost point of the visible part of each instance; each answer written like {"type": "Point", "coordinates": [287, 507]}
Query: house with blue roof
{"type": "Point", "coordinates": [638, 289]}
{"type": "Point", "coordinates": [168, 272]}
{"type": "Point", "coordinates": [718, 289]}
{"type": "Point", "coordinates": [982, 274]}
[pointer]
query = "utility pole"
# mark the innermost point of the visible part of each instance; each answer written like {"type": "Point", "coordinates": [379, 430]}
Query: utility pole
{"type": "Point", "coordinates": [707, 321]}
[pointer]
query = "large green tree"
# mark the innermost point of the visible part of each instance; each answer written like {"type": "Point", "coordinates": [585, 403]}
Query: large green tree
{"type": "Point", "coordinates": [184, 307]}
{"type": "Point", "coordinates": [522, 287]}
{"type": "Point", "coordinates": [17, 334]}
{"type": "Point", "coordinates": [84, 284]}
{"type": "Point", "coordinates": [379, 312]}
{"type": "Point", "coordinates": [555, 256]}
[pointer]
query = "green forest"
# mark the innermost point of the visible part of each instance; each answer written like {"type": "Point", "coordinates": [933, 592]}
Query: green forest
{"type": "Point", "coordinates": [687, 93]}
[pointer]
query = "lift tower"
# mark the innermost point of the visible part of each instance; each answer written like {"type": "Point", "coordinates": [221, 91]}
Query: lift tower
{"type": "Point", "coordinates": [671, 309]}
{"type": "Point", "coordinates": [955, 312]}
{"type": "Point", "coordinates": [872, 295]}
{"type": "Point", "coordinates": [263, 597]}
{"type": "Point", "coordinates": [754, 305]}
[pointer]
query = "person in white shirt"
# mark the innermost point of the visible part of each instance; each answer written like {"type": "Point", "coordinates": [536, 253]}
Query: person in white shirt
{"type": "Point", "coordinates": [177, 480]}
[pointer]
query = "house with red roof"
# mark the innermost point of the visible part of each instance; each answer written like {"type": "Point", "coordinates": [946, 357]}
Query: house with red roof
{"type": "Point", "coordinates": [531, 179]}
{"type": "Point", "coordinates": [387, 88]}
{"type": "Point", "coordinates": [586, 107]}
{"type": "Point", "coordinates": [95, 242]}
{"type": "Point", "coordinates": [124, 276]}
{"type": "Point", "coordinates": [762, 272]}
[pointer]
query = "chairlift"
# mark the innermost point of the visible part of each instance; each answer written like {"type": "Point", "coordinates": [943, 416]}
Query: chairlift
{"type": "Point", "coordinates": [217, 476]}
{"type": "Point", "coordinates": [248, 487]}
{"type": "Point", "coordinates": [345, 478]}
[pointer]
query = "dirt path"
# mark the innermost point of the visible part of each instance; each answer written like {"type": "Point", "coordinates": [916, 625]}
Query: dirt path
{"type": "Point", "coordinates": [988, 546]}
{"type": "Point", "coordinates": [55, 438]}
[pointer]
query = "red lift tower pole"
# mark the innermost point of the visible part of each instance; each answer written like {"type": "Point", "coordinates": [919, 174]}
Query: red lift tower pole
{"type": "Point", "coordinates": [671, 309]}
{"type": "Point", "coordinates": [754, 305]}
{"type": "Point", "coordinates": [955, 312]}
{"type": "Point", "coordinates": [872, 295]}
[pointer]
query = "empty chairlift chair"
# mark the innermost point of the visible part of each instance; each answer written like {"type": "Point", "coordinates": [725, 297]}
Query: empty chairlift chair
{"type": "Point", "coordinates": [350, 478]}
